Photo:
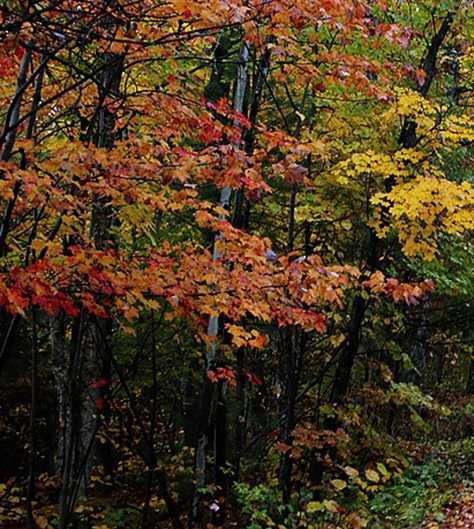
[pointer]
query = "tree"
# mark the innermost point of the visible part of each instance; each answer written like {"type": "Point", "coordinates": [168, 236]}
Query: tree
{"type": "Point", "coordinates": [221, 208]}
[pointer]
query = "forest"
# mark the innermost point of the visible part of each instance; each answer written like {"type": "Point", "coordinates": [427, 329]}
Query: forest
{"type": "Point", "coordinates": [236, 264]}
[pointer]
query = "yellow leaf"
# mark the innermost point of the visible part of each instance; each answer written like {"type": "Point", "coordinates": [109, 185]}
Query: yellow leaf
{"type": "Point", "coordinates": [301, 116]}
{"type": "Point", "coordinates": [42, 522]}
{"type": "Point", "coordinates": [314, 506]}
{"type": "Point", "coordinates": [330, 505]}
{"type": "Point", "coordinates": [372, 475]}
{"type": "Point", "coordinates": [339, 484]}
{"type": "Point", "coordinates": [352, 472]}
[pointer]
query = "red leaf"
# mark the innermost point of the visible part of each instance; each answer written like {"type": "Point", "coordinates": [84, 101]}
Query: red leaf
{"type": "Point", "coordinates": [253, 379]}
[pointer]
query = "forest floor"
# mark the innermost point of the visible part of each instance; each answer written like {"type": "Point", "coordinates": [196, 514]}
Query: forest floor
{"type": "Point", "coordinates": [459, 513]}
{"type": "Point", "coordinates": [434, 491]}
{"type": "Point", "coordinates": [438, 491]}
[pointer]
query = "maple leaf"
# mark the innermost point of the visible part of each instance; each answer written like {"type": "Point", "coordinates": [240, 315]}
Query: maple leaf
{"type": "Point", "coordinates": [295, 174]}
{"type": "Point", "coordinates": [226, 373]}
{"type": "Point", "coordinates": [253, 379]}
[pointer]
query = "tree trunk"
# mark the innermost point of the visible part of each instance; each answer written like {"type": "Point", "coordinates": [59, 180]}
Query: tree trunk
{"type": "Point", "coordinates": [293, 345]}
{"type": "Point", "coordinates": [65, 368]}
{"type": "Point", "coordinates": [292, 356]}
{"type": "Point", "coordinates": [207, 396]}
{"type": "Point", "coordinates": [417, 350]}
{"type": "Point", "coordinates": [88, 394]}
{"type": "Point", "coordinates": [77, 396]}
{"type": "Point", "coordinates": [470, 376]}
{"type": "Point", "coordinates": [220, 456]}
{"type": "Point", "coordinates": [349, 353]}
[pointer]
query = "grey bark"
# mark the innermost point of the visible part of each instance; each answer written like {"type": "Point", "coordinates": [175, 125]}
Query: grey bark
{"type": "Point", "coordinates": [205, 412]}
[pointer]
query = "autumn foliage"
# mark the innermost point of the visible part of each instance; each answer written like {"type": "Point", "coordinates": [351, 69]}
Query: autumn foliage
{"type": "Point", "coordinates": [235, 254]}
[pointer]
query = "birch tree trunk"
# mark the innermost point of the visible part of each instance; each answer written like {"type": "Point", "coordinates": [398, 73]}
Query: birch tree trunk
{"type": "Point", "coordinates": [207, 395]}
